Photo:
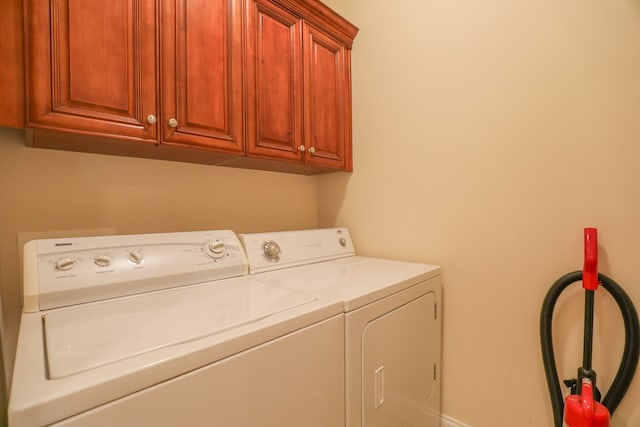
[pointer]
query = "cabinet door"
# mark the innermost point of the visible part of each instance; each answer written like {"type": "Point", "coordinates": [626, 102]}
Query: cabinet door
{"type": "Point", "coordinates": [202, 102]}
{"type": "Point", "coordinates": [274, 85]}
{"type": "Point", "coordinates": [92, 67]}
{"type": "Point", "coordinates": [327, 100]}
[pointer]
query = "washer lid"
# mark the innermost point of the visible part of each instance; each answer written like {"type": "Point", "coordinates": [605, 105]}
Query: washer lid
{"type": "Point", "coordinates": [85, 337]}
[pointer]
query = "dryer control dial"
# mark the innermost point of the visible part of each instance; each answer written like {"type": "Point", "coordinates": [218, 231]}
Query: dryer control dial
{"type": "Point", "coordinates": [271, 250]}
{"type": "Point", "coordinates": [215, 249]}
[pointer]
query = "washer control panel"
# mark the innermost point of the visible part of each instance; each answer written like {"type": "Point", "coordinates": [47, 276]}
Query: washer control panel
{"type": "Point", "coordinates": [62, 272]}
{"type": "Point", "coordinates": [271, 251]}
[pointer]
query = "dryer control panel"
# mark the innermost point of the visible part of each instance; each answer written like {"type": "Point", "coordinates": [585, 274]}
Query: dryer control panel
{"type": "Point", "coordinates": [272, 251]}
{"type": "Point", "coordinates": [63, 272]}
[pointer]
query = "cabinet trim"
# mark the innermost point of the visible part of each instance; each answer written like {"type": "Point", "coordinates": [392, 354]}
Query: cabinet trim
{"type": "Point", "coordinates": [319, 14]}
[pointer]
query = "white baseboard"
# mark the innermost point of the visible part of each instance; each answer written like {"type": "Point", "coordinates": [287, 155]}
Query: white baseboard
{"type": "Point", "coordinates": [446, 421]}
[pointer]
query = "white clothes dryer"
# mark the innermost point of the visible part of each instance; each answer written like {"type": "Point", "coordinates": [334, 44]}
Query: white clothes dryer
{"type": "Point", "coordinates": [392, 320]}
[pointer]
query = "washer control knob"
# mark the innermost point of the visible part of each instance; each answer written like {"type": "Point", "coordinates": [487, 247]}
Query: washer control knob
{"type": "Point", "coordinates": [215, 249]}
{"type": "Point", "coordinates": [343, 242]}
{"type": "Point", "coordinates": [136, 257]}
{"type": "Point", "coordinates": [64, 264]}
{"type": "Point", "coordinates": [102, 260]}
{"type": "Point", "coordinates": [271, 250]}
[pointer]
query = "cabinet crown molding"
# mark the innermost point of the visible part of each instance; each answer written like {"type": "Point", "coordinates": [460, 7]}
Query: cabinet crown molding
{"type": "Point", "coordinates": [319, 14]}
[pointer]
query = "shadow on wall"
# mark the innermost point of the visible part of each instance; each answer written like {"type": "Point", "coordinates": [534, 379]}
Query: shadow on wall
{"type": "Point", "coordinates": [3, 383]}
{"type": "Point", "coordinates": [332, 190]}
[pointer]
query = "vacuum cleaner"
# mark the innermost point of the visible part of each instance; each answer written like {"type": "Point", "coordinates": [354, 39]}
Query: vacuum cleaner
{"type": "Point", "coordinates": [585, 407]}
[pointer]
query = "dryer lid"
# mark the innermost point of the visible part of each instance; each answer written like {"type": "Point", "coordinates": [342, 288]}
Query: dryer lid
{"type": "Point", "coordinates": [86, 337]}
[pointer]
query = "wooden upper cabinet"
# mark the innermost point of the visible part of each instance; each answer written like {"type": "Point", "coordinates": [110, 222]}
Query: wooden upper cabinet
{"type": "Point", "coordinates": [92, 67]}
{"type": "Point", "coordinates": [202, 97]}
{"type": "Point", "coordinates": [105, 76]}
{"type": "Point", "coordinates": [299, 84]}
{"type": "Point", "coordinates": [260, 84]}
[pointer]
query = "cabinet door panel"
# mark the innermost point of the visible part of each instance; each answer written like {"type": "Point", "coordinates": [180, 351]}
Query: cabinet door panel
{"type": "Point", "coordinates": [91, 67]}
{"type": "Point", "coordinates": [202, 74]}
{"type": "Point", "coordinates": [12, 65]}
{"type": "Point", "coordinates": [90, 78]}
{"type": "Point", "coordinates": [327, 100]}
{"type": "Point", "coordinates": [274, 67]}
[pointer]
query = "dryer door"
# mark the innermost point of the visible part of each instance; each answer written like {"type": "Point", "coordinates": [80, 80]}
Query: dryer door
{"type": "Point", "coordinates": [399, 356]}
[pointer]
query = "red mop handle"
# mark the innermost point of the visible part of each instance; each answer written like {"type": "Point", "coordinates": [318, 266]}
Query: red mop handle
{"type": "Point", "coordinates": [590, 269]}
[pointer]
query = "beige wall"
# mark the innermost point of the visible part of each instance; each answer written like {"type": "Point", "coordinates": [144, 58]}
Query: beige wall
{"type": "Point", "coordinates": [487, 135]}
{"type": "Point", "coordinates": [49, 190]}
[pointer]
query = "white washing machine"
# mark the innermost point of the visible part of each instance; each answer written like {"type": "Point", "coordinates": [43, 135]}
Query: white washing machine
{"type": "Point", "coordinates": [392, 324]}
{"type": "Point", "coordinates": [166, 330]}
